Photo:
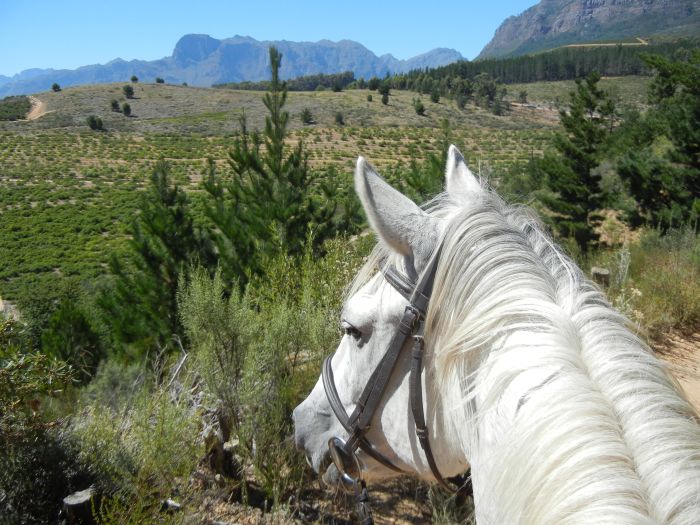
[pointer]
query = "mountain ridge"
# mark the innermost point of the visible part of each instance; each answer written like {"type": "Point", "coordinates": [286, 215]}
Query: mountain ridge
{"type": "Point", "coordinates": [201, 60]}
{"type": "Point", "coordinates": [554, 23]}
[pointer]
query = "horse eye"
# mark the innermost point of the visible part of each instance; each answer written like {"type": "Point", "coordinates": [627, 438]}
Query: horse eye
{"type": "Point", "coordinates": [350, 330]}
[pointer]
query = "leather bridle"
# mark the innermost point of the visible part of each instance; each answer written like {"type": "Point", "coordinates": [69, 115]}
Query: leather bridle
{"type": "Point", "coordinates": [357, 424]}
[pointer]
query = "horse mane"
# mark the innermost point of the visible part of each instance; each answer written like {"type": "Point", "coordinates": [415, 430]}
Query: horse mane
{"type": "Point", "coordinates": [606, 438]}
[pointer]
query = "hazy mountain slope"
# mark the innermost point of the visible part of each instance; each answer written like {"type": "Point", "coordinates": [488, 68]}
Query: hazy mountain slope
{"type": "Point", "coordinates": [553, 23]}
{"type": "Point", "coordinates": [201, 60]}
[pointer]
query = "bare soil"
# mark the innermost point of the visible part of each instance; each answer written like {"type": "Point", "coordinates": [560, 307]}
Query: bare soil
{"type": "Point", "coordinates": [681, 350]}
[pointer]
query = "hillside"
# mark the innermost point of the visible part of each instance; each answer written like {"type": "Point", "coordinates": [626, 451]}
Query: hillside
{"type": "Point", "coordinates": [555, 23]}
{"type": "Point", "coordinates": [70, 189]}
{"type": "Point", "coordinates": [200, 60]}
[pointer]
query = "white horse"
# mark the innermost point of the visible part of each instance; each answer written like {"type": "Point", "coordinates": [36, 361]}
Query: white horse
{"type": "Point", "coordinates": [530, 377]}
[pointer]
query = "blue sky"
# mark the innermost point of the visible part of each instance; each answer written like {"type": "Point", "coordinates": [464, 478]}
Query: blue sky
{"type": "Point", "coordinates": [71, 33]}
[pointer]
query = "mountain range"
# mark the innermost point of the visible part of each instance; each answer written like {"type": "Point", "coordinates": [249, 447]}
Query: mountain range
{"type": "Point", "coordinates": [200, 60]}
{"type": "Point", "coordinates": [554, 23]}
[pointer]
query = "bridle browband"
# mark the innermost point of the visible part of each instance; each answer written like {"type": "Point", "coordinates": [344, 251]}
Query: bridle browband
{"type": "Point", "coordinates": [357, 424]}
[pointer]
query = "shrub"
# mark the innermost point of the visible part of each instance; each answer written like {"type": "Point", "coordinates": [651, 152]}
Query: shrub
{"type": "Point", "coordinates": [142, 451]}
{"type": "Point", "coordinates": [36, 472]}
{"type": "Point", "coordinates": [160, 80]}
{"type": "Point", "coordinates": [522, 96]}
{"type": "Point", "coordinates": [126, 109]}
{"type": "Point", "coordinates": [369, 97]}
{"type": "Point", "coordinates": [14, 108]}
{"type": "Point", "coordinates": [373, 84]}
{"type": "Point", "coordinates": [55, 87]}
{"type": "Point", "coordinates": [418, 106]}
{"type": "Point", "coordinates": [95, 123]}
{"type": "Point", "coordinates": [435, 96]}
{"type": "Point", "coordinates": [385, 99]}
{"type": "Point", "coordinates": [306, 116]}
{"type": "Point", "coordinates": [339, 119]}
{"type": "Point", "coordinates": [114, 104]}
{"type": "Point", "coordinates": [128, 91]}
{"type": "Point", "coordinates": [134, 79]}
{"type": "Point", "coordinates": [656, 281]}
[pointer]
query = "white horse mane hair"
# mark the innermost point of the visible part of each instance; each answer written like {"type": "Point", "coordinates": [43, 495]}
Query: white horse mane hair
{"type": "Point", "coordinates": [605, 437]}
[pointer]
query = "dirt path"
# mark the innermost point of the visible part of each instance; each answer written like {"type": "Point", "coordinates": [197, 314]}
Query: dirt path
{"type": "Point", "coordinates": [38, 109]}
{"type": "Point", "coordinates": [682, 353]}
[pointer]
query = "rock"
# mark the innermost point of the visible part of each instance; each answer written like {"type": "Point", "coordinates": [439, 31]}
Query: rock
{"type": "Point", "coordinates": [170, 505]}
{"type": "Point", "coordinates": [78, 506]}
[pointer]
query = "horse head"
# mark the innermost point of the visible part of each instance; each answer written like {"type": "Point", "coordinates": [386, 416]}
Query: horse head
{"type": "Point", "coordinates": [370, 320]}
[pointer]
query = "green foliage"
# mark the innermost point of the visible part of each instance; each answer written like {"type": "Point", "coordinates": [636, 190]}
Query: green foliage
{"type": "Point", "coordinates": [369, 97]}
{"type": "Point", "coordinates": [95, 123]}
{"type": "Point", "coordinates": [373, 84]}
{"type": "Point", "coordinates": [418, 106]}
{"type": "Point", "coordinates": [522, 96]}
{"type": "Point", "coordinates": [572, 185]}
{"type": "Point", "coordinates": [423, 180]}
{"type": "Point", "coordinates": [339, 119]}
{"type": "Point", "coordinates": [160, 80]}
{"type": "Point", "coordinates": [134, 79]}
{"type": "Point", "coordinates": [656, 281]}
{"type": "Point", "coordinates": [660, 158]}
{"type": "Point", "coordinates": [306, 116]}
{"type": "Point", "coordinates": [385, 99]}
{"type": "Point", "coordinates": [259, 352]}
{"type": "Point", "coordinates": [35, 470]}
{"type": "Point", "coordinates": [434, 96]}
{"type": "Point", "coordinates": [126, 109]}
{"type": "Point", "coordinates": [128, 91]}
{"type": "Point", "coordinates": [71, 338]}
{"type": "Point", "coordinates": [114, 104]}
{"type": "Point", "coordinates": [14, 108]}
{"type": "Point", "coordinates": [55, 87]}
{"type": "Point", "coordinates": [139, 305]}
{"type": "Point", "coordinates": [141, 451]}
{"type": "Point", "coordinates": [273, 199]}
{"type": "Point", "coordinates": [334, 81]}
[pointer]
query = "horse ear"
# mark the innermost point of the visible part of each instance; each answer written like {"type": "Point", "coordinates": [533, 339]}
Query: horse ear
{"type": "Point", "coordinates": [458, 179]}
{"type": "Point", "coordinates": [393, 216]}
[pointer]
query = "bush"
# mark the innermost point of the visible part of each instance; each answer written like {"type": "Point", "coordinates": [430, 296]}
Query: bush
{"type": "Point", "coordinates": [126, 109]}
{"type": "Point", "coordinates": [339, 119]}
{"type": "Point", "coordinates": [95, 123]}
{"type": "Point", "coordinates": [14, 108]}
{"type": "Point", "coordinates": [369, 97]}
{"type": "Point", "coordinates": [656, 281]}
{"type": "Point", "coordinates": [114, 104]}
{"type": "Point", "coordinates": [144, 446]}
{"type": "Point", "coordinates": [36, 472]}
{"type": "Point", "coordinates": [134, 79]}
{"type": "Point", "coordinates": [128, 91]}
{"type": "Point", "coordinates": [160, 80]}
{"type": "Point", "coordinates": [522, 97]}
{"type": "Point", "coordinates": [385, 99]}
{"type": "Point", "coordinates": [306, 116]}
{"type": "Point", "coordinates": [55, 87]}
{"type": "Point", "coordinates": [435, 96]}
{"type": "Point", "coordinates": [418, 106]}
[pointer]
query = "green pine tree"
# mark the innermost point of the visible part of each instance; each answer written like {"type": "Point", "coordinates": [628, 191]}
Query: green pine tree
{"type": "Point", "coordinates": [140, 306]}
{"type": "Point", "coordinates": [572, 185]}
{"type": "Point", "coordinates": [273, 199]}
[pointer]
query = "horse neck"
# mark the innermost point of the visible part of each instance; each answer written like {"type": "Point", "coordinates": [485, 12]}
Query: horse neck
{"type": "Point", "coordinates": [567, 428]}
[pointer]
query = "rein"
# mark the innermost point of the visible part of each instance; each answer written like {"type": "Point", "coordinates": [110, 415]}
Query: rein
{"type": "Point", "coordinates": [357, 424]}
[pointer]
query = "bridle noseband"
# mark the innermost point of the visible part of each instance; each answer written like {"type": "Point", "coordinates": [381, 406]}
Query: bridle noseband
{"type": "Point", "coordinates": [357, 424]}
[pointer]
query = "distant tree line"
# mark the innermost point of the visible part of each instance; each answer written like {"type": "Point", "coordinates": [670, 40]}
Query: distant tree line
{"type": "Point", "coordinates": [335, 82]}
{"type": "Point", "coordinates": [566, 63]}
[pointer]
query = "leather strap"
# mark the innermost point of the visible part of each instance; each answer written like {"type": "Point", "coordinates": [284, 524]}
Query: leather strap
{"type": "Point", "coordinates": [412, 324]}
